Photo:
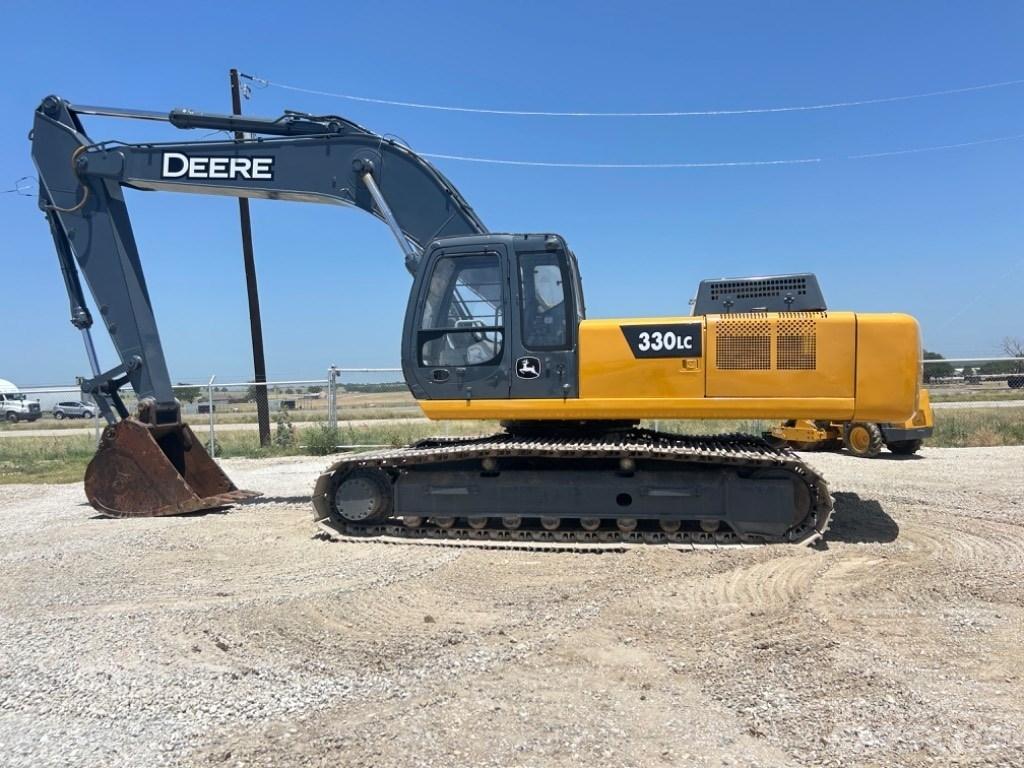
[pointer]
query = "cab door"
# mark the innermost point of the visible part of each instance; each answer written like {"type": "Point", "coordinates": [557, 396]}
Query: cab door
{"type": "Point", "coordinates": [544, 328]}
{"type": "Point", "coordinates": [457, 336]}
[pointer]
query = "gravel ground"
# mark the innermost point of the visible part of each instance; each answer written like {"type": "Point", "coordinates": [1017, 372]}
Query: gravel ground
{"type": "Point", "coordinates": [240, 639]}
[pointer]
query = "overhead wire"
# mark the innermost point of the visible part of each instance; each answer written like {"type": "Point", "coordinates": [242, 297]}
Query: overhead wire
{"type": "Point", "coordinates": [937, 147]}
{"type": "Point", "coordinates": [264, 83]}
{"type": "Point", "coordinates": [22, 186]}
{"type": "Point", "coordinates": [543, 164]}
{"type": "Point", "coordinates": [723, 164]}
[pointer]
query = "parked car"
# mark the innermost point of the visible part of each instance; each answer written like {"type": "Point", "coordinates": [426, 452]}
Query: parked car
{"type": "Point", "coordinates": [72, 409]}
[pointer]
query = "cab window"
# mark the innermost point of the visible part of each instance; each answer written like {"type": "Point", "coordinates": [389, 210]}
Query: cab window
{"type": "Point", "coordinates": [464, 314]}
{"type": "Point", "coordinates": [545, 311]}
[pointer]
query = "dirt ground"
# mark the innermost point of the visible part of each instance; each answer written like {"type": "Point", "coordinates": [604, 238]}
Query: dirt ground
{"type": "Point", "coordinates": [240, 639]}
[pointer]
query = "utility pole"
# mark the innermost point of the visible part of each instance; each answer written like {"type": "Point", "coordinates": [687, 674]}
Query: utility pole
{"type": "Point", "coordinates": [259, 364]}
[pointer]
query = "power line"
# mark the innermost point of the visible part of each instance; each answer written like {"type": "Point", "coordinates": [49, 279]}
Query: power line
{"type": "Point", "coordinates": [724, 164]}
{"type": "Point", "coordinates": [542, 164]}
{"type": "Point", "coordinates": [937, 147]}
{"type": "Point", "coordinates": [263, 83]}
{"type": "Point", "coordinates": [22, 186]}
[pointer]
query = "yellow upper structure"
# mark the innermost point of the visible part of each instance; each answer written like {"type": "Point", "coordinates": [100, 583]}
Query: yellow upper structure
{"type": "Point", "coordinates": [816, 365]}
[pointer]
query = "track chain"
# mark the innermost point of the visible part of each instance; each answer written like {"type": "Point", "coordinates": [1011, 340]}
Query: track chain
{"type": "Point", "coordinates": [735, 450]}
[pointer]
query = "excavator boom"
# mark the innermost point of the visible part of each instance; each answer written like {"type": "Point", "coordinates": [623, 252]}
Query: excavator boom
{"type": "Point", "coordinates": [151, 463]}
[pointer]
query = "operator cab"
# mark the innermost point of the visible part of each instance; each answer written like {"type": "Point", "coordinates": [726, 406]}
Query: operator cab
{"type": "Point", "coordinates": [492, 317]}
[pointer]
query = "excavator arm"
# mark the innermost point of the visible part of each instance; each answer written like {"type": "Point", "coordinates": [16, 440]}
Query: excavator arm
{"type": "Point", "coordinates": [300, 157]}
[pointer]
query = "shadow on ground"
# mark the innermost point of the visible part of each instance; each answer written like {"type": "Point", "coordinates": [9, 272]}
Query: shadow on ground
{"type": "Point", "coordinates": [222, 510]}
{"type": "Point", "coordinates": [888, 456]}
{"type": "Point", "coordinates": [860, 521]}
{"type": "Point", "coordinates": [304, 499]}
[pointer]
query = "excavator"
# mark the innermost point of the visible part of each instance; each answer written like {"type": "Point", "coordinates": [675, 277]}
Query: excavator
{"type": "Point", "coordinates": [495, 329]}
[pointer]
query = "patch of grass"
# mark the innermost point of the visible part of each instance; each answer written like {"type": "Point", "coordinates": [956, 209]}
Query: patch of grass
{"type": "Point", "coordinates": [975, 395]}
{"type": "Point", "coordinates": [321, 440]}
{"type": "Point", "coordinates": [64, 459]}
{"type": "Point", "coordinates": [45, 459]}
{"type": "Point", "coordinates": [976, 427]}
{"type": "Point", "coordinates": [49, 423]}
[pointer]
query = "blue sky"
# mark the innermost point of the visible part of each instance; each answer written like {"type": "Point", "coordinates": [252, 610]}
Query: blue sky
{"type": "Point", "coordinates": [936, 234]}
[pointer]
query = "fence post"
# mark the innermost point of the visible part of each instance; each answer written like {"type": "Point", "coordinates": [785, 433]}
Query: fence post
{"type": "Point", "coordinates": [332, 397]}
{"type": "Point", "coordinates": [213, 439]}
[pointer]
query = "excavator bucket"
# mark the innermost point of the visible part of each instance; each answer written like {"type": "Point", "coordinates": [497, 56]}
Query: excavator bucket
{"type": "Point", "coordinates": [151, 471]}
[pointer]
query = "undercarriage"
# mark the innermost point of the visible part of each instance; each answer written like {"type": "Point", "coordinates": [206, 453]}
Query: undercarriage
{"type": "Point", "coordinates": [632, 486]}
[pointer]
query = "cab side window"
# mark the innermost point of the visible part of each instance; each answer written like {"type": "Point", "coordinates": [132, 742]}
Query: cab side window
{"type": "Point", "coordinates": [545, 312]}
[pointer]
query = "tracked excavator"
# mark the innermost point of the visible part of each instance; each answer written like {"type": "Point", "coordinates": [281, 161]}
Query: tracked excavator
{"type": "Point", "coordinates": [495, 328]}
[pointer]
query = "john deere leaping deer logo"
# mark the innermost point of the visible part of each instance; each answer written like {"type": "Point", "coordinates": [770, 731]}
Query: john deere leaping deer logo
{"type": "Point", "coordinates": [528, 367]}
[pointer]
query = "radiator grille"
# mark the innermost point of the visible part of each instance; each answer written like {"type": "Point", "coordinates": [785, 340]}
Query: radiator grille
{"type": "Point", "coordinates": [743, 345]}
{"type": "Point", "coordinates": [795, 345]}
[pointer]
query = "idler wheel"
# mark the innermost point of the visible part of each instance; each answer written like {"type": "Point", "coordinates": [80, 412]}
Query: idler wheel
{"type": "Point", "coordinates": [363, 495]}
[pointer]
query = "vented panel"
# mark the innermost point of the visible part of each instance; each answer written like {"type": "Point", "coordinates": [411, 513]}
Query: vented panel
{"type": "Point", "coordinates": [795, 345]}
{"type": "Point", "coordinates": [743, 345]}
{"type": "Point", "coordinates": [802, 315]}
{"type": "Point", "coordinates": [757, 289]}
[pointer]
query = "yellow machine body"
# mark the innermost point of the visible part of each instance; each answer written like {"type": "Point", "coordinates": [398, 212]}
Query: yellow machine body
{"type": "Point", "coordinates": [923, 417]}
{"type": "Point", "coordinates": [838, 366]}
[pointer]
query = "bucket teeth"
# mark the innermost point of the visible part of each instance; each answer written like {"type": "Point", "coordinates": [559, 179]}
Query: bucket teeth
{"type": "Point", "coordinates": [145, 471]}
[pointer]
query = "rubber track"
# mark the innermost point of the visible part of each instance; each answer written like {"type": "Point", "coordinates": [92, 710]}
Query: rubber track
{"type": "Point", "coordinates": [733, 451]}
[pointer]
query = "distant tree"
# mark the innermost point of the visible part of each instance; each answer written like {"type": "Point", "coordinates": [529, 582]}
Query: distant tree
{"type": "Point", "coordinates": [387, 386]}
{"type": "Point", "coordinates": [934, 371]}
{"type": "Point", "coordinates": [188, 394]}
{"type": "Point", "coordinates": [968, 371]}
{"type": "Point", "coordinates": [253, 392]}
{"type": "Point", "coordinates": [314, 390]}
{"type": "Point", "coordinates": [1014, 347]}
{"type": "Point", "coordinates": [998, 368]}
